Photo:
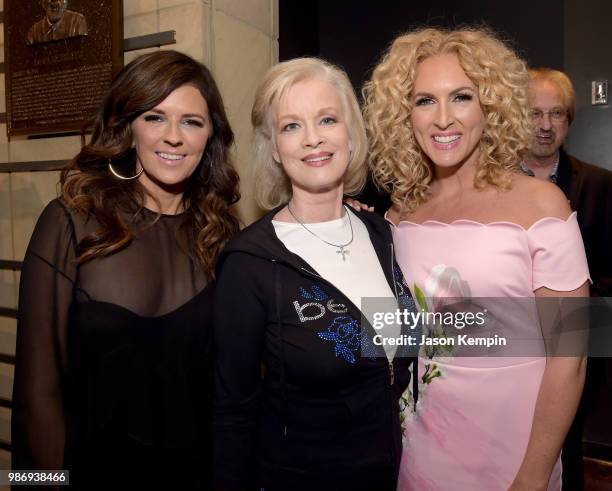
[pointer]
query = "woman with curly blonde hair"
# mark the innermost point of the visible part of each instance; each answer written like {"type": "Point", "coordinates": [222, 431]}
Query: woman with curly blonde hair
{"type": "Point", "coordinates": [447, 115]}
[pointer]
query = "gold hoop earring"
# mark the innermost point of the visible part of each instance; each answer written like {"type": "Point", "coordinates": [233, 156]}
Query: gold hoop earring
{"type": "Point", "coordinates": [119, 176]}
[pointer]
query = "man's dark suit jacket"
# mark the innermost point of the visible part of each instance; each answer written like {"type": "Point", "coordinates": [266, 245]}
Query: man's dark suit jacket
{"type": "Point", "coordinates": [589, 189]}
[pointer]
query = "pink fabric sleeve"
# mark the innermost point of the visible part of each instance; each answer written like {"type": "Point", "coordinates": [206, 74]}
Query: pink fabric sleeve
{"type": "Point", "coordinates": [557, 252]}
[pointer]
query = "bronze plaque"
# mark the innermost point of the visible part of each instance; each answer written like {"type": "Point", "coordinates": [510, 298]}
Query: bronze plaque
{"type": "Point", "coordinates": [60, 57]}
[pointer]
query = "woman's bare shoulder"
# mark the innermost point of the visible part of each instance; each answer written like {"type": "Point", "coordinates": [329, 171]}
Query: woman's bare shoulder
{"type": "Point", "coordinates": [535, 198]}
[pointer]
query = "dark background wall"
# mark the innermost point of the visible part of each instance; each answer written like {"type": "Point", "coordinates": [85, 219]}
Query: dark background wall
{"type": "Point", "coordinates": [588, 56]}
{"type": "Point", "coordinates": [588, 44]}
{"type": "Point", "coordinates": [353, 33]}
{"type": "Point", "coordinates": [569, 35]}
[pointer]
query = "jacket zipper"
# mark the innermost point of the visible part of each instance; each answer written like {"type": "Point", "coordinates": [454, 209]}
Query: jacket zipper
{"type": "Point", "coordinates": [393, 272]}
{"type": "Point", "coordinates": [391, 367]}
{"type": "Point", "coordinates": [390, 363]}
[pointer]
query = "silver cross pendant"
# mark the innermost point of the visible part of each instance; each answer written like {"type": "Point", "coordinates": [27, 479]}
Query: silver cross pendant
{"type": "Point", "coordinates": [344, 252]}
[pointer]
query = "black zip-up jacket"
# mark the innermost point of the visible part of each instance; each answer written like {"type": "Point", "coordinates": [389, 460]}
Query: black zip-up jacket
{"type": "Point", "coordinates": [326, 403]}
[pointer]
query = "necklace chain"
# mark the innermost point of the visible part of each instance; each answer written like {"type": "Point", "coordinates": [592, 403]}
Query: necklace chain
{"type": "Point", "coordinates": [342, 248]}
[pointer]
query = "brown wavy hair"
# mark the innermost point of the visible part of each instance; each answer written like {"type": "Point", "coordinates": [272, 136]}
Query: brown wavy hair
{"type": "Point", "coordinates": [398, 164]}
{"type": "Point", "coordinates": [89, 187]}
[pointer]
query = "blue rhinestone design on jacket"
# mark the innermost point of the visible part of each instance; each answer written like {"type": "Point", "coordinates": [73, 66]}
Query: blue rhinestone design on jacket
{"type": "Point", "coordinates": [343, 330]}
{"type": "Point", "coordinates": [315, 293]}
{"type": "Point", "coordinates": [346, 333]}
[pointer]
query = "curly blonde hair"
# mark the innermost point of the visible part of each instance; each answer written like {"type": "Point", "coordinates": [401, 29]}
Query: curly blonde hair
{"type": "Point", "coordinates": [272, 186]}
{"type": "Point", "coordinates": [399, 166]}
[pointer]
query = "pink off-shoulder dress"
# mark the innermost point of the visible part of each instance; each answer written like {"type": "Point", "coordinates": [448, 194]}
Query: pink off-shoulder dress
{"type": "Point", "coordinates": [472, 425]}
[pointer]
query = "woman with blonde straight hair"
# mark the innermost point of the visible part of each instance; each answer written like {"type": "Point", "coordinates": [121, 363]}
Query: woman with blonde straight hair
{"type": "Point", "coordinates": [447, 115]}
{"type": "Point", "coordinates": [325, 413]}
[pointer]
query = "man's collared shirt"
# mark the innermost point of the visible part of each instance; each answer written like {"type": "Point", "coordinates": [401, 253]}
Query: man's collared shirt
{"type": "Point", "coordinates": [552, 177]}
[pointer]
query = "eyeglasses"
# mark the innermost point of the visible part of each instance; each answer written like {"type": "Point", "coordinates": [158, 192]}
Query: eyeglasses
{"type": "Point", "coordinates": [557, 115]}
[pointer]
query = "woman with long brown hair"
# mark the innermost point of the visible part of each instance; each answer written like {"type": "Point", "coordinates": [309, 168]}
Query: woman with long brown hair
{"type": "Point", "coordinates": [112, 374]}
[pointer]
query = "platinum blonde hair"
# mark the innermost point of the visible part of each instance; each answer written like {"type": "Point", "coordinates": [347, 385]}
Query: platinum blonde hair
{"type": "Point", "coordinates": [272, 186]}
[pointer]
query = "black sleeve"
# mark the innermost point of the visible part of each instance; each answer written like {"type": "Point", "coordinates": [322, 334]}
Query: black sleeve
{"type": "Point", "coordinates": [371, 195]}
{"type": "Point", "coordinates": [45, 294]}
{"type": "Point", "coordinates": [596, 198]}
{"type": "Point", "coordinates": [603, 279]}
{"type": "Point", "coordinates": [239, 326]}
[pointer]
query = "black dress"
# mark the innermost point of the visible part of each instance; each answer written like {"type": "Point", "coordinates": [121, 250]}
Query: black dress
{"type": "Point", "coordinates": [113, 372]}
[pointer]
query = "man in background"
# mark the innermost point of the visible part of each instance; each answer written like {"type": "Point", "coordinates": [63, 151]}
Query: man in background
{"type": "Point", "coordinates": [589, 190]}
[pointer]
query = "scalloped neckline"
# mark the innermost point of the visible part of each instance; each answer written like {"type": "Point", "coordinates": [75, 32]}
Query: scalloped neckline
{"type": "Point", "coordinates": [459, 221]}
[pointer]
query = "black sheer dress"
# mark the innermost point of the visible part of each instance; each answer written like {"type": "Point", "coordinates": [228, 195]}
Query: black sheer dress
{"type": "Point", "coordinates": [113, 372]}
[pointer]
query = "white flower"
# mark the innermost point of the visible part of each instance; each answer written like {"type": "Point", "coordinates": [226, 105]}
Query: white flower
{"type": "Point", "coordinates": [445, 282]}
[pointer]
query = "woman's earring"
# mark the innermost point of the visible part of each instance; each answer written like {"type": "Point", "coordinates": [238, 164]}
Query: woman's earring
{"type": "Point", "coordinates": [119, 176]}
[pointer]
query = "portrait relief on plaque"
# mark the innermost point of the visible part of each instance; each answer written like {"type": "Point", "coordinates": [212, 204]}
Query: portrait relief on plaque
{"type": "Point", "coordinates": [57, 22]}
{"type": "Point", "coordinates": [60, 58]}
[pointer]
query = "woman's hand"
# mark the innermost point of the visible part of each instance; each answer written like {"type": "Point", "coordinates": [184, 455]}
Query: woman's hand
{"type": "Point", "coordinates": [358, 205]}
